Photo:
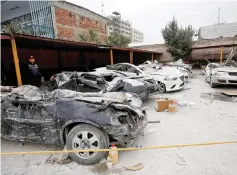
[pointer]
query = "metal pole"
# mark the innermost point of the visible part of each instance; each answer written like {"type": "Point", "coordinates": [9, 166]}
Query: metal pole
{"type": "Point", "coordinates": [221, 51]}
{"type": "Point", "coordinates": [131, 57]}
{"type": "Point", "coordinates": [111, 57]}
{"type": "Point", "coordinates": [16, 61]}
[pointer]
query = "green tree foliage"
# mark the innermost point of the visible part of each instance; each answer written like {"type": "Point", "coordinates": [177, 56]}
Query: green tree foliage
{"type": "Point", "coordinates": [91, 37]}
{"type": "Point", "coordinates": [15, 28]}
{"type": "Point", "coordinates": [178, 40]}
{"type": "Point", "coordinates": [117, 39]}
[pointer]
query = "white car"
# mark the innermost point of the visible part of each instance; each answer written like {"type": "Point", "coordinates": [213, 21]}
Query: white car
{"type": "Point", "coordinates": [186, 72]}
{"type": "Point", "coordinates": [167, 80]}
{"type": "Point", "coordinates": [218, 75]}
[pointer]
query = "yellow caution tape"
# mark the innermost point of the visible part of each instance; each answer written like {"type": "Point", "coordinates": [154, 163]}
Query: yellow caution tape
{"type": "Point", "coordinates": [118, 149]}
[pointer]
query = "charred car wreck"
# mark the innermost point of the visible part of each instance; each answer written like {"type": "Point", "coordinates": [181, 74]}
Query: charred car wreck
{"type": "Point", "coordinates": [77, 120]}
{"type": "Point", "coordinates": [96, 82]}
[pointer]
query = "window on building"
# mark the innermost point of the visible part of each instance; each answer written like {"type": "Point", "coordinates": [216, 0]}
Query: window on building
{"type": "Point", "coordinates": [21, 19]}
{"type": "Point", "coordinates": [27, 18]}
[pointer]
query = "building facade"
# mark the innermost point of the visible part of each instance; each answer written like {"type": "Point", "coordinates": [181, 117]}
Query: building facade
{"type": "Point", "coordinates": [34, 16]}
{"type": "Point", "coordinates": [54, 19]}
{"type": "Point", "coordinates": [137, 36]}
{"type": "Point", "coordinates": [217, 31]}
{"type": "Point", "coordinates": [124, 27]}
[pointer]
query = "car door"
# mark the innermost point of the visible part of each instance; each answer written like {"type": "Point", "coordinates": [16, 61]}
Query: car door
{"type": "Point", "coordinates": [30, 121]}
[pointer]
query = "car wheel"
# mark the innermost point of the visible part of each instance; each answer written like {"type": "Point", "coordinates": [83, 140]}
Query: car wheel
{"type": "Point", "coordinates": [83, 137]}
{"type": "Point", "coordinates": [161, 87]}
{"type": "Point", "coordinates": [213, 85]}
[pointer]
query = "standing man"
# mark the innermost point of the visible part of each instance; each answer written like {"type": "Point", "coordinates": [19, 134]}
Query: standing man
{"type": "Point", "coordinates": [33, 74]}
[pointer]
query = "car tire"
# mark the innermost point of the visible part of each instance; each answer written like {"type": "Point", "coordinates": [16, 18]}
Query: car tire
{"type": "Point", "coordinates": [84, 136]}
{"type": "Point", "coordinates": [161, 87]}
{"type": "Point", "coordinates": [213, 85]}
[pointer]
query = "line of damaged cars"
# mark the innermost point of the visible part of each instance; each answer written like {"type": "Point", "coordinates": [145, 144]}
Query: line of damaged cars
{"type": "Point", "coordinates": [86, 110]}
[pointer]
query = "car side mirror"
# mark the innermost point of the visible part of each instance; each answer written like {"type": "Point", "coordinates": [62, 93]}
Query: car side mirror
{"type": "Point", "coordinates": [100, 81]}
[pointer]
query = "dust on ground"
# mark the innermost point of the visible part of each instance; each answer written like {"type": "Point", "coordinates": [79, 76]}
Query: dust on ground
{"type": "Point", "coordinates": [203, 121]}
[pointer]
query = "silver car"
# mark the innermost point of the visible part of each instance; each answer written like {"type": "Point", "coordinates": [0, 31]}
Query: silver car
{"type": "Point", "coordinates": [221, 75]}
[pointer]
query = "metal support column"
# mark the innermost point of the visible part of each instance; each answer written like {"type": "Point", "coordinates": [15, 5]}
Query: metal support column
{"type": "Point", "coordinates": [16, 61]}
{"type": "Point", "coordinates": [221, 55]}
{"type": "Point", "coordinates": [131, 57]}
{"type": "Point", "coordinates": [111, 57]}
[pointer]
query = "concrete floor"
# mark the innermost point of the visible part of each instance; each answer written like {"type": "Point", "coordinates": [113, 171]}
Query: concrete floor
{"type": "Point", "coordinates": [203, 122]}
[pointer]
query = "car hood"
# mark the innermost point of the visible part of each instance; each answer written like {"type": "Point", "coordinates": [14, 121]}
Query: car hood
{"type": "Point", "coordinates": [225, 69]}
{"type": "Point", "coordinates": [166, 71]}
{"type": "Point", "coordinates": [110, 97]}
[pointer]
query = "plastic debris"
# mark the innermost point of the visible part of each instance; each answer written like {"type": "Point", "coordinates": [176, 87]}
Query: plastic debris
{"type": "Point", "coordinates": [109, 163]}
{"type": "Point", "coordinates": [113, 154]}
{"type": "Point", "coordinates": [102, 161]}
{"type": "Point", "coordinates": [135, 167]}
{"type": "Point", "coordinates": [157, 121]}
{"type": "Point", "coordinates": [150, 131]}
{"type": "Point", "coordinates": [183, 103]}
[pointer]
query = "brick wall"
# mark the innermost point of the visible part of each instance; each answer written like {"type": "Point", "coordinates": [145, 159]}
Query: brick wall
{"type": "Point", "coordinates": [70, 25]}
{"type": "Point", "coordinates": [65, 17]}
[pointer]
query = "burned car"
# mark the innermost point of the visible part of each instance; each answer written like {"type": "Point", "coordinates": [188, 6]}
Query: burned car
{"type": "Point", "coordinates": [96, 82]}
{"type": "Point", "coordinates": [78, 120]}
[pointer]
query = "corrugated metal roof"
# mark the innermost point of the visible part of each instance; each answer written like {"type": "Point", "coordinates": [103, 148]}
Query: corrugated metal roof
{"type": "Point", "coordinates": [79, 43]}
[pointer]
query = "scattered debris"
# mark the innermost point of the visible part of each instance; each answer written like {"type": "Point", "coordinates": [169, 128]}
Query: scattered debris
{"type": "Point", "coordinates": [22, 143]}
{"type": "Point", "coordinates": [157, 121]}
{"type": "Point", "coordinates": [150, 131]}
{"type": "Point", "coordinates": [63, 157]}
{"type": "Point", "coordinates": [113, 154]}
{"type": "Point", "coordinates": [37, 163]}
{"type": "Point", "coordinates": [48, 160]}
{"type": "Point", "coordinates": [63, 161]}
{"type": "Point", "coordinates": [5, 89]}
{"type": "Point", "coordinates": [218, 96]}
{"type": "Point", "coordinates": [135, 167]}
{"type": "Point", "coordinates": [230, 93]}
{"type": "Point", "coordinates": [102, 161]}
{"type": "Point", "coordinates": [171, 108]}
{"type": "Point", "coordinates": [109, 163]}
{"type": "Point", "coordinates": [181, 163]}
{"type": "Point", "coordinates": [162, 104]}
{"type": "Point", "coordinates": [224, 113]}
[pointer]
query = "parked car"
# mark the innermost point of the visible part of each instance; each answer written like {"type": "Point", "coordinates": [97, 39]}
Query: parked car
{"type": "Point", "coordinates": [185, 70]}
{"type": "Point", "coordinates": [126, 76]}
{"type": "Point", "coordinates": [166, 81]}
{"type": "Point", "coordinates": [77, 120]}
{"type": "Point", "coordinates": [216, 75]}
{"type": "Point", "coordinates": [96, 81]}
{"type": "Point", "coordinates": [180, 63]}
